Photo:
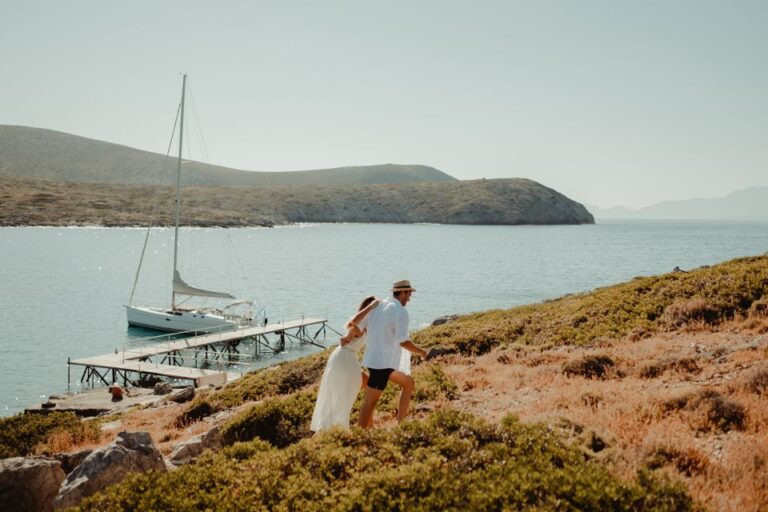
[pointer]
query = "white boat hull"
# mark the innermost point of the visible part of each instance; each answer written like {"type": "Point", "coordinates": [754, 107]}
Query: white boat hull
{"type": "Point", "coordinates": [176, 321]}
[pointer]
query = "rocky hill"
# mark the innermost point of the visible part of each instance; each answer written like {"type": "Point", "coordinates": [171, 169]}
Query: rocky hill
{"type": "Point", "coordinates": [50, 155]}
{"type": "Point", "coordinates": [504, 201]}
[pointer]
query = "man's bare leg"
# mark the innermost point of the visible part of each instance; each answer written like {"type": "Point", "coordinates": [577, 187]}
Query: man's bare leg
{"type": "Point", "coordinates": [406, 384]}
{"type": "Point", "coordinates": [369, 404]}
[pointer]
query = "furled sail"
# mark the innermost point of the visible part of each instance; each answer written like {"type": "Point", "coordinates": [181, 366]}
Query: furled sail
{"type": "Point", "coordinates": [179, 286]}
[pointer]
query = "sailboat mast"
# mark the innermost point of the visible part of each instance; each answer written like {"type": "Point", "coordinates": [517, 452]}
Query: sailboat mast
{"type": "Point", "coordinates": [178, 189]}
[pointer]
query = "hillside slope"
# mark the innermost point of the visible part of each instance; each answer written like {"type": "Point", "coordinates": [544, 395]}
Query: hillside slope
{"type": "Point", "coordinates": [646, 395]}
{"type": "Point", "coordinates": [507, 201]}
{"type": "Point", "coordinates": [50, 155]}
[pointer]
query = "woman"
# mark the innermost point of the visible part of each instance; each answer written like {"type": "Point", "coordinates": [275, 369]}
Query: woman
{"type": "Point", "coordinates": [343, 377]}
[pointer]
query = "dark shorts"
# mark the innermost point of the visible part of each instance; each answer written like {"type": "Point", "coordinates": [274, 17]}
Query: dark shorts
{"type": "Point", "coordinates": [379, 377]}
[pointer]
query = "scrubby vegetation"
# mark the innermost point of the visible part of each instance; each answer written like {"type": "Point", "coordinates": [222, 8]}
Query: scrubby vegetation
{"type": "Point", "coordinates": [706, 296]}
{"type": "Point", "coordinates": [707, 410]}
{"type": "Point", "coordinates": [450, 461]}
{"type": "Point", "coordinates": [23, 434]}
{"type": "Point", "coordinates": [279, 421]}
{"type": "Point", "coordinates": [657, 368]}
{"type": "Point", "coordinates": [274, 381]}
{"type": "Point", "coordinates": [660, 377]}
{"type": "Point", "coordinates": [590, 366]}
{"type": "Point", "coordinates": [758, 382]}
{"type": "Point", "coordinates": [503, 201]}
{"type": "Point", "coordinates": [688, 462]}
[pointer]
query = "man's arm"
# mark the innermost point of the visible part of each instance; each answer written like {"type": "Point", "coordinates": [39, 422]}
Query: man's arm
{"type": "Point", "coordinates": [415, 349]}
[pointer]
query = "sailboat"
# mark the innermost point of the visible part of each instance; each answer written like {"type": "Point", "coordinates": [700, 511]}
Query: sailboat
{"type": "Point", "coordinates": [176, 318]}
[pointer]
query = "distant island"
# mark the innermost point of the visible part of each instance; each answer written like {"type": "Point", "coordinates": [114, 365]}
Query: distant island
{"type": "Point", "coordinates": [745, 204]}
{"type": "Point", "coordinates": [55, 179]}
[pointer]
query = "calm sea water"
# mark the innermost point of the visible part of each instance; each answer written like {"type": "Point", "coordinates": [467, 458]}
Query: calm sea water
{"type": "Point", "coordinates": [62, 290]}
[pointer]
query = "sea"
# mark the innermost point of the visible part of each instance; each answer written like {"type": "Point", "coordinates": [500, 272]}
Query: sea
{"type": "Point", "coordinates": [63, 290]}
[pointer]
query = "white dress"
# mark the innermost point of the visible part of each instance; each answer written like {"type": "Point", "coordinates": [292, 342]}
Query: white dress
{"type": "Point", "coordinates": [339, 387]}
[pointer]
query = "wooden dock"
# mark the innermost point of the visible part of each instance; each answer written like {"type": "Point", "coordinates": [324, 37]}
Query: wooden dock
{"type": "Point", "coordinates": [165, 356]}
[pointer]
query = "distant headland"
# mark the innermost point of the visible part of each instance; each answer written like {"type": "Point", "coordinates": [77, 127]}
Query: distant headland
{"type": "Point", "coordinates": [54, 179]}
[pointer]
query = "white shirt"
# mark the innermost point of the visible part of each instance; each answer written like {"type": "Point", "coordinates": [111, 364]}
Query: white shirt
{"type": "Point", "coordinates": [387, 327]}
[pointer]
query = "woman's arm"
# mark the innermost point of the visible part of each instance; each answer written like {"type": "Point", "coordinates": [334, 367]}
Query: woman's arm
{"type": "Point", "coordinates": [353, 330]}
{"type": "Point", "coordinates": [363, 313]}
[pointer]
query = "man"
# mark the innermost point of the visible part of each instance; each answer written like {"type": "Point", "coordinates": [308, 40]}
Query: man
{"type": "Point", "coordinates": [387, 327]}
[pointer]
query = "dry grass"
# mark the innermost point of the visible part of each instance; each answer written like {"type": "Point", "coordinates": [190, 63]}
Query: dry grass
{"type": "Point", "coordinates": [701, 417]}
{"type": "Point", "coordinates": [66, 441]}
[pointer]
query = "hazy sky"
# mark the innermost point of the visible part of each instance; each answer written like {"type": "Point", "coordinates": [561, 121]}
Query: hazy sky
{"type": "Point", "coordinates": [610, 102]}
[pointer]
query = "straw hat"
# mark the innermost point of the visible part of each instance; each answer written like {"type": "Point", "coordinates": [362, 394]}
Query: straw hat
{"type": "Point", "coordinates": [402, 286]}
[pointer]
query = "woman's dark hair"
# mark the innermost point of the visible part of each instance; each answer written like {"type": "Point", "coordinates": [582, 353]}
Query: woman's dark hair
{"type": "Point", "coordinates": [366, 301]}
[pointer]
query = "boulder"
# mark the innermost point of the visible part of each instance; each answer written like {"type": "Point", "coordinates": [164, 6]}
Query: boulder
{"type": "Point", "coordinates": [131, 452]}
{"type": "Point", "coordinates": [29, 484]}
{"type": "Point", "coordinates": [70, 460]}
{"type": "Point", "coordinates": [182, 395]}
{"type": "Point", "coordinates": [444, 319]}
{"type": "Point", "coordinates": [163, 388]}
{"type": "Point", "coordinates": [189, 450]}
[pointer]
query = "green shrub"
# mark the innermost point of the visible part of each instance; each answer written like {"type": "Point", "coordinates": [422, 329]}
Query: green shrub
{"type": "Point", "coordinates": [279, 421]}
{"type": "Point", "coordinates": [20, 434]}
{"type": "Point", "coordinates": [449, 461]}
{"type": "Point", "coordinates": [199, 408]}
{"type": "Point", "coordinates": [282, 379]}
{"type": "Point", "coordinates": [722, 292]}
{"type": "Point", "coordinates": [431, 383]}
{"type": "Point", "coordinates": [277, 380]}
{"type": "Point", "coordinates": [246, 450]}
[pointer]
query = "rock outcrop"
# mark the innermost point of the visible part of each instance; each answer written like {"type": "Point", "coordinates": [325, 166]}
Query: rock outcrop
{"type": "Point", "coordinates": [162, 388]}
{"type": "Point", "coordinates": [189, 450]}
{"type": "Point", "coordinates": [29, 484]}
{"type": "Point", "coordinates": [130, 452]}
{"type": "Point", "coordinates": [182, 395]}
{"type": "Point", "coordinates": [70, 460]}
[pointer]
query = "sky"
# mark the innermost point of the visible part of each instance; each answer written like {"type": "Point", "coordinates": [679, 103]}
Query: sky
{"type": "Point", "coordinates": [609, 102]}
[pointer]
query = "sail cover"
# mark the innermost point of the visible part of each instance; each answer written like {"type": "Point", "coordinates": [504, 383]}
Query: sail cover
{"type": "Point", "coordinates": [179, 286]}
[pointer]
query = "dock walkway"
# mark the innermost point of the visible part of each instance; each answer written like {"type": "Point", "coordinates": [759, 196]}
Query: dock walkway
{"type": "Point", "coordinates": [166, 358]}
